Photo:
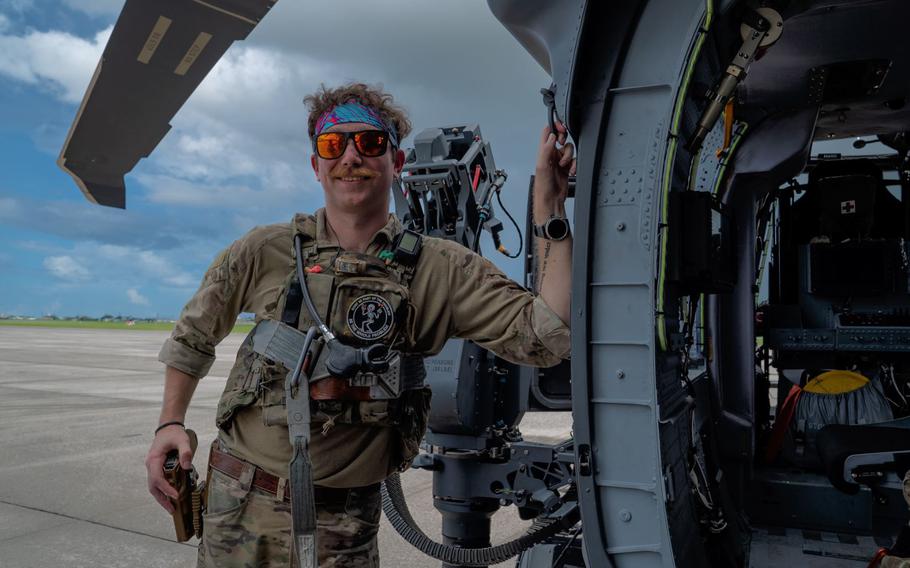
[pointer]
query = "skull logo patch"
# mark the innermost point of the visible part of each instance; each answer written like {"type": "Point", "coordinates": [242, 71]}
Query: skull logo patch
{"type": "Point", "coordinates": [370, 317]}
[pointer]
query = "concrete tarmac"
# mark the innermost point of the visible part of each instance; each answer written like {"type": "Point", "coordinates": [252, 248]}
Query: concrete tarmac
{"type": "Point", "coordinates": [77, 411]}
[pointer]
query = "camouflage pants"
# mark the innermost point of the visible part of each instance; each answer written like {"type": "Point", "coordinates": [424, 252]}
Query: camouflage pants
{"type": "Point", "coordinates": [245, 527]}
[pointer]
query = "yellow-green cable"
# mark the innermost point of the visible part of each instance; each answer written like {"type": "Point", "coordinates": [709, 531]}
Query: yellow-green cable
{"type": "Point", "coordinates": [734, 143]}
{"type": "Point", "coordinates": [738, 135]}
{"type": "Point", "coordinates": [668, 166]}
{"type": "Point", "coordinates": [693, 170]}
{"type": "Point", "coordinates": [764, 254]}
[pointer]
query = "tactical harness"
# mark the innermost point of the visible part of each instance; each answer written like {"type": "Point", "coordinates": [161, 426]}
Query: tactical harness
{"type": "Point", "coordinates": [326, 369]}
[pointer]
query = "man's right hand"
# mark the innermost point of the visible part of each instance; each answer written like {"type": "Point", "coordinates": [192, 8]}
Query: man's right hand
{"type": "Point", "coordinates": [167, 439]}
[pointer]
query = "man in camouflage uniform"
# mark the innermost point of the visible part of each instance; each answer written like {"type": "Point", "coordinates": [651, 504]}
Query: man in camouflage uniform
{"type": "Point", "coordinates": [355, 443]}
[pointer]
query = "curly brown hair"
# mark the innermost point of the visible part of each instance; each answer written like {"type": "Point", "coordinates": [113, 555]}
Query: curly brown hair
{"type": "Point", "coordinates": [325, 98]}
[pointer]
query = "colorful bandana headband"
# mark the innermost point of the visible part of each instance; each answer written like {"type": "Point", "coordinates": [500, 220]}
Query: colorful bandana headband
{"type": "Point", "coordinates": [353, 111]}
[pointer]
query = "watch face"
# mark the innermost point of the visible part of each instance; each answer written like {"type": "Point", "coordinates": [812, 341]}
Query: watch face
{"type": "Point", "coordinates": [557, 229]}
{"type": "Point", "coordinates": [408, 242]}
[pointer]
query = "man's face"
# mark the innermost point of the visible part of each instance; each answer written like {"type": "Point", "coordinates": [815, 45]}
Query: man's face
{"type": "Point", "coordinates": [352, 181]}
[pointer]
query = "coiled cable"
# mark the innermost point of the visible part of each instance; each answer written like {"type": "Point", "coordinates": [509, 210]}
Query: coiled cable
{"type": "Point", "coordinates": [396, 509]}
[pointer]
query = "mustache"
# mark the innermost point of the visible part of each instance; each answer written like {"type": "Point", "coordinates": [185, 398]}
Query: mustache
{"type": "Point", "coordinates": [340, 171]}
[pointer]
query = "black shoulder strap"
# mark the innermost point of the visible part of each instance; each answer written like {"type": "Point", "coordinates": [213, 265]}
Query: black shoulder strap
{"type": "Point", "coordinates": [292, 304]}
{"type": "Point", "coordinates": [294, 295]}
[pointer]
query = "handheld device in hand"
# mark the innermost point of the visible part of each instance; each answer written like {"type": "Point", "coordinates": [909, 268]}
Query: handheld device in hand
{"type": "Point", "coordinates": [190, 502]}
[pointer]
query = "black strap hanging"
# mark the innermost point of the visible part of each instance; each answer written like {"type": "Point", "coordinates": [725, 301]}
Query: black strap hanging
{"type": "Point", "coordinates": [292, 304]}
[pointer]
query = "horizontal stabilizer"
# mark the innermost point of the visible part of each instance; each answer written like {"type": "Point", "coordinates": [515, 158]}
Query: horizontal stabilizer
{"type": "Point", "coordinates": [157, 55]}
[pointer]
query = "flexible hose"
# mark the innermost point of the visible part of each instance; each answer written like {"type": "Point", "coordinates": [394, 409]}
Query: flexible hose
{"type": "Point", "coordinates": [307, 300]}
{"type": "Point", "coordinates": [521, 241]}
{"type": "Point", "coordinates": [396, 509]}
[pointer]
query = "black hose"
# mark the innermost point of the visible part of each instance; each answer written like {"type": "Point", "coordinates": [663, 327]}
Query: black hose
{"type": "Point", "coordinates": [396, 509]}
{"type": "Point", "coordinates": [521, 241]}
{"type": "Point", "coordinates": [307, 300]}
{"type": "Point", "coordinates": [298, 368]}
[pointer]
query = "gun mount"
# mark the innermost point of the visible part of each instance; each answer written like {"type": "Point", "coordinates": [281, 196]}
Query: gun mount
{"type": "Point", "coordinates": [434, 197]}
{"type": "Point", "coordinates": [473, 445]}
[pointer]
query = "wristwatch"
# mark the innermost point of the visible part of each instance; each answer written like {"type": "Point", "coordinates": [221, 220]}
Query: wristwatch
{"type": "Point", "coordinates": [553, 229]}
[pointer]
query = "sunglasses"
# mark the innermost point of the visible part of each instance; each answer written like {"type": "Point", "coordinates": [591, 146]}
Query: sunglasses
{"type": "Point", "coordinates": [369, 143]}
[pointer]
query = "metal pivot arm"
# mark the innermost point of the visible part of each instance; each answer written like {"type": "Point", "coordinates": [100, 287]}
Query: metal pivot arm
{"type": "Point", "coordinates": [760, 29]}
{"type": "Point", "coordinates": [410, 201]}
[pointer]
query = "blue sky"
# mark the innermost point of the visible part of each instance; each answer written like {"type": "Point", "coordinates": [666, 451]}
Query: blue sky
{"type": "Point", "coordinates": [237, 155]}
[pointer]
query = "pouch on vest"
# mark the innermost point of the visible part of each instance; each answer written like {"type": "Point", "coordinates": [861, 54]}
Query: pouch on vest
{"type": "Point", "coordinates": [411, 414]}
{"type": "Point", "coordinates": [271, 385]}
{"type": "Point", "coordinates": [407, 415]}
{"type": "Point", "coordinates": [368, 310]}
{"type": "Point", "coordinates": [241, 385]}
{"type": "Point", "coordinates": [372, 304]}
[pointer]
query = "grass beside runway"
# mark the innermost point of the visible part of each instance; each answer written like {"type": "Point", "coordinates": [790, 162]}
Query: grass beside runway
{"type": "Point", "coordinates": [138, 326]}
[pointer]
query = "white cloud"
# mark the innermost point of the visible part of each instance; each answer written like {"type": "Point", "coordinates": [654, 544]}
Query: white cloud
{"type": "Point", "coordinates": [55, 61]}
{"type": "Point", "coordinates": [137, 298]}
{"type": "Point", "coordinates": [4, 23]}
{"type": "Point", "coordinates": [246, 121]}
{"type": "Point", "coordinates": [259, 204]}
{"type": "Point", "coordinates": [132, 262]}
{"type": "Point", "coordinates": [128, 266]}
{"type": "Point", "coordinates": [95, 7]}
{"type": "Point", "coordinates": [66, 268]}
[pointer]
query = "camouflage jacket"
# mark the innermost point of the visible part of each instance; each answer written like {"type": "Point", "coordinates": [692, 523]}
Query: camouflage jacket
{"type": "Point", "coordinates": [453, 293]}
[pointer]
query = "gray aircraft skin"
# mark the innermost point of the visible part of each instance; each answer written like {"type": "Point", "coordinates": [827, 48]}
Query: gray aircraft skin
{"type": "Point", "coordinates": [683, 204]}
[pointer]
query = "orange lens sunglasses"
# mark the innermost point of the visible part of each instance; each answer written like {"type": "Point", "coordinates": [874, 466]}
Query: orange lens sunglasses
{"type": "Point", "coordinates": [369, 143]}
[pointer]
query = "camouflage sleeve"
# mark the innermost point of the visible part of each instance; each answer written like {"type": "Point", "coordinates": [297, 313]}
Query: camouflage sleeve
{"type": "Point", "coordinates": [487, 307]}
{"type": "Point", "coordinates": [209, 315]}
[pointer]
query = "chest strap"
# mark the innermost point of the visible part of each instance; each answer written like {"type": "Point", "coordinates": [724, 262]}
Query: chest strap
{"type": "Point", "coordinates": [292, 304]}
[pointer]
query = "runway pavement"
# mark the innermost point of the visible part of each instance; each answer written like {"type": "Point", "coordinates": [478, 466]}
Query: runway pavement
{"type": "Point", "coordinates": [77, 408]}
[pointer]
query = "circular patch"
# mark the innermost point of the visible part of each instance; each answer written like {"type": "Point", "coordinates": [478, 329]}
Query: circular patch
{"type": "Point", "coordinates": [370, 317]}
